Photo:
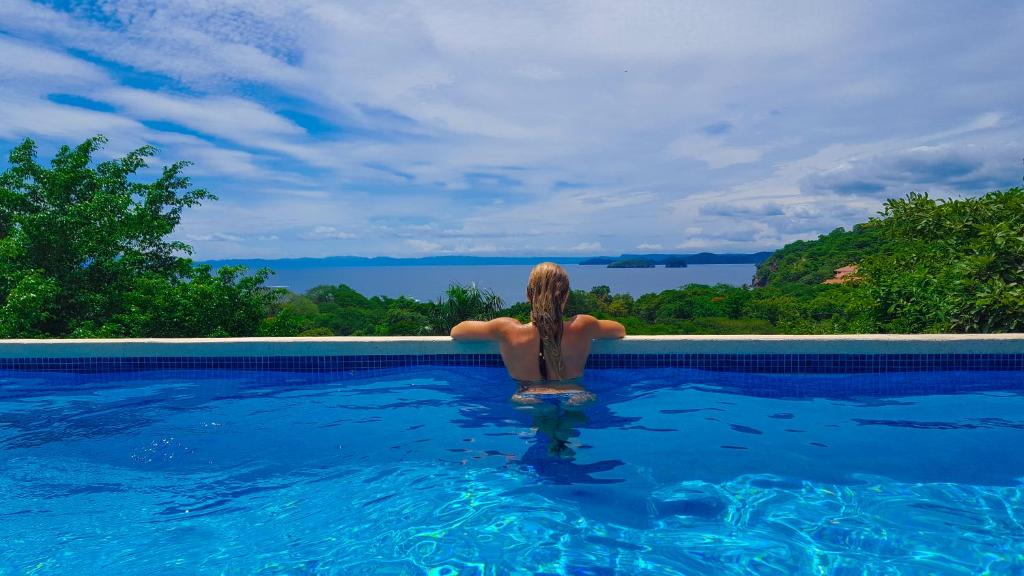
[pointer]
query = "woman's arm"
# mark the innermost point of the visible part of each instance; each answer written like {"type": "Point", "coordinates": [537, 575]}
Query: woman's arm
{"type": "Point", "coordinates": [610, 329]}
{"type": "Point", "coordinates": [481, 330]}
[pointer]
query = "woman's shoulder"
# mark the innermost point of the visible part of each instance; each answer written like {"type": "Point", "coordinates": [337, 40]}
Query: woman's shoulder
{"type": "Point", "coordinates": [508, 324]}
{"type": "Point", "coordinates": [512, 325]}
{"type": "Point", "coordinates": [580, 322]}
{"type": "Point", "coordinates": [596, 328]}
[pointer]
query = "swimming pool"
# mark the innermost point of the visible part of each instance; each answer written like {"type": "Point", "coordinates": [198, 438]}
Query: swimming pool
{"type": "Point", "coordinates": [431, 469]}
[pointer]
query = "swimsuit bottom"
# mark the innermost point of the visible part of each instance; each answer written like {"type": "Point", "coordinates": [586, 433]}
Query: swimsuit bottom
{"type": "Point", "coordinates": [566, 391]}
{"type": "Point", "coordinates": [556, 397]}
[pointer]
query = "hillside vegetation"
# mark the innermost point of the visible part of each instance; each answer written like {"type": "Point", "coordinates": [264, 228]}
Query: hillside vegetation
{"type": "Point", "coordinates": [814, 261]}
{"type": "Point", "coordinates": [923, 265]}
{"type": "Point", "coordinates": [84, 253]}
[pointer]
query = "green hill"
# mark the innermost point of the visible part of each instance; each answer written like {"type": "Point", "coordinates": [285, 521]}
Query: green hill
{"type": "Point", "coordinates": [814, 261]}
{"type": "Point", "coordinates": [674, 259]}
{"type": "Point", "coordinates": [924, 265]}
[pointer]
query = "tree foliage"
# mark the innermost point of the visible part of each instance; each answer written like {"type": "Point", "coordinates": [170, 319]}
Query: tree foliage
{"type": "Point", "coordinates": [84, 251]}
{"type": "Point", "coordinates": [950, 265]}
{"type": "Point", "coordinates": [925, 265]}
{"type": "Point", "coordinates": [463, 303]}
{"type": "Point", "coordinates": [341, 311]}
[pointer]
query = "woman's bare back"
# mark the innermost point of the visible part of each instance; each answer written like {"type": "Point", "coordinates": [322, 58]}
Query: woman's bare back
{"type": "Point", "coordinates": [520, 344]}
{"type": "Point", "coordinates": [520, 351]}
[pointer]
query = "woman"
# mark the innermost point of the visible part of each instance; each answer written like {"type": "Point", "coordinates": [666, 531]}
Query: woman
{"type": "Point", "coordinates": [546, 357]}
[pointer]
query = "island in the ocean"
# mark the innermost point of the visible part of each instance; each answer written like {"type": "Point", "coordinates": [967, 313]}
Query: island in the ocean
{"type": "Point", "coordinates": [632, 263]}
{"type": "Point", "coordinates": [673, 260]}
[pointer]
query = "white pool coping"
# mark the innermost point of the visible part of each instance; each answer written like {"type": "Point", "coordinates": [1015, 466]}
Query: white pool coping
{"type": "Point", "coordinates": [421, 345]}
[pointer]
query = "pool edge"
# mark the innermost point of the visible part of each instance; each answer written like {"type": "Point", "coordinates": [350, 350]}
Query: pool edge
{"type": "Point", "coordinates": [859, 344]}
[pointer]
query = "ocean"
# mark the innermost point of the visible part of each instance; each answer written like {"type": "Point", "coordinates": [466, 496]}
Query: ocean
{"type": "Point", "coordinates": [508, 281]}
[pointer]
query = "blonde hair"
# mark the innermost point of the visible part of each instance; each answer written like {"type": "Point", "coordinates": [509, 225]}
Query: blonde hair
{"type": "Point", "coordinates": [547, 291]}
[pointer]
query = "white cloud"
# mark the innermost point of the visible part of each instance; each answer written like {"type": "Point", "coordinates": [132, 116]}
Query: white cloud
{"type": "Point", "coordinates": [619, 124]}
{"type": "Point", "coordinates": [418, 245]}
{"type": "Point", "coordinates": [216, 237]}
{"type": "Point", "coordinates": [21, 117]}
{"type": "Point", "coordinates": [646, 246]}
{"type": "Point", "coordinates": [227, 117]}
{"type": "Point", "coordinates": [712, 151]}
{"type": "Point", "coordinates": [25, 67]}
{"type": "Point", "coordinates": [585, 247]}
{"type": "Point", "coordinates": [327, 232]}
{"type": "Point", "coordinates": [192, 42]}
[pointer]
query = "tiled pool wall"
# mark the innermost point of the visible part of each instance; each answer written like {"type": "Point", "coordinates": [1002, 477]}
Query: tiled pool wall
{"type": "Point", "coordinates": [768, 354]}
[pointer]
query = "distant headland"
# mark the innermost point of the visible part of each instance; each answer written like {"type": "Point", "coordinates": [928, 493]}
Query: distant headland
{"type": "Point", "coordinates": [674, 260]}
{"type": "Point", "coordinates": [648, 260]}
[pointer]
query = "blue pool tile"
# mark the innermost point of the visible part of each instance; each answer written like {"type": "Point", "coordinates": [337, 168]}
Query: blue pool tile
{"type": "Point", "coordinates": [752, 363]}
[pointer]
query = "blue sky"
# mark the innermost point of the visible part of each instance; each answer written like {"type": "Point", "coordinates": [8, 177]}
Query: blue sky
{"type": "Point", "coordinates": [591, 127]}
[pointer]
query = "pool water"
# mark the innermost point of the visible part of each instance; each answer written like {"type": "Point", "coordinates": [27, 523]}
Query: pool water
{"type": "Point", "coordinates": [434, 470]}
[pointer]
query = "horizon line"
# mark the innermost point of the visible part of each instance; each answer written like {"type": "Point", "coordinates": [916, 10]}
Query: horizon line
{"type": "Point", "coordinates": [478, 256]}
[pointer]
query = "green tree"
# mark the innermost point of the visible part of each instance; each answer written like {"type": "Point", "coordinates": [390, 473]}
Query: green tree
{"type": "Point", "coordinates": [84, 251]}
{"type": "Point", "coordinates": [950, 265]}
{"type": "Point", "coordinates": [294, 315]}
{"type": "Point", "coordinates": [401, 321]}
{"type": "Point", "coordinates": [464, 303]}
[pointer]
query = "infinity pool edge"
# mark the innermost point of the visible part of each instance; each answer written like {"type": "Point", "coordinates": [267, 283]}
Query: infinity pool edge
{"type": "Point", "coordinates": [858, 344]}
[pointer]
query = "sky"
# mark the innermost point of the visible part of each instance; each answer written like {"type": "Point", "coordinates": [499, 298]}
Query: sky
{"type": "Point", "coordinates": [408, 128]}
